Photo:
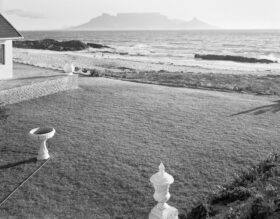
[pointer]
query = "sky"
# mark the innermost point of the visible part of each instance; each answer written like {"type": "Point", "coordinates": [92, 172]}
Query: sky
{"type": "Point", "coordinates": [57, 14]}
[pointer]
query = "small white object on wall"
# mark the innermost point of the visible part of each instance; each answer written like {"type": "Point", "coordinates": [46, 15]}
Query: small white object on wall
{"type": "Point", "coordinates": [69, 68]}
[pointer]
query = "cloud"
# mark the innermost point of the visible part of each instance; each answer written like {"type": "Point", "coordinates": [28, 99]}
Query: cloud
{"type": "Point", "coordinates": [24, 14]}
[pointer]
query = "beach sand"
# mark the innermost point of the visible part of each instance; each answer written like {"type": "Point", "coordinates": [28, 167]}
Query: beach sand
{"type": "Point", "coordinates": [262, 81]}
{"type": "Point", "coordinates": [84, 59]}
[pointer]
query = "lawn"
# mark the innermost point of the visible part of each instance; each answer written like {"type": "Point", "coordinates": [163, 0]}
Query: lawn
{"type": "Point", "coordinates": [111, 137]}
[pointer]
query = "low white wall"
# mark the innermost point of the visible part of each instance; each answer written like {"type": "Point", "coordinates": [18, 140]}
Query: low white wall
{"type": "Point", "coordinates": [6, 71]}
{"type": "Point", "coordinates": [40, 89]}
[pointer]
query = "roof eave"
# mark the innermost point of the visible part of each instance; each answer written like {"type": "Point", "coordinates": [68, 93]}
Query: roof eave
{"type": "Point", "coordinates": [12, 38]}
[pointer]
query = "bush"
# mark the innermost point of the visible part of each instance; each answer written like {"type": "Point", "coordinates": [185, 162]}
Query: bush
{"type": "Point", "coordinates": [3, 114]}
{"type": "Point", "coordinates": [229, 196]}
{"type": "Point", "coordinates": [94, 73]}
{"type": "Point", "coordinates": [253, 194]}
{"type": "Point", "coordinates": [84, 70]}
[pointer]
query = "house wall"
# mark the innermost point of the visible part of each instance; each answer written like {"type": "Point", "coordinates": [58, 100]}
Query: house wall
{"type": "Point", "coordinates": [6, 70]}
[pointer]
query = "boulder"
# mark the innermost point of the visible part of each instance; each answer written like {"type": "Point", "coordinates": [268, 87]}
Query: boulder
{"type": "Point", "coordinates": [72, 45]}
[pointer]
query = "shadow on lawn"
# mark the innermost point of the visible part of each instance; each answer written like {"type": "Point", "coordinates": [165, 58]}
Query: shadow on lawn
{"type": "Point", "coordinates": [274, 108]}
{"type": "Point", "coordinates": [6, 166]}
{"type": "Point", "coordinates": [38, 77]}
{"type": "Point", "coordinates": [15, 151]}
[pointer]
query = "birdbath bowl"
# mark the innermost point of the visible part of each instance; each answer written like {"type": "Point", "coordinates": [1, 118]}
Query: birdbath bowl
{"type": "Point", "coordinates": [42, 134]}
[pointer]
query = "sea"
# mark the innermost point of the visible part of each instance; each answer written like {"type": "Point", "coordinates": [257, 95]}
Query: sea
{"type": "Point", "coordinates": [179, 47]}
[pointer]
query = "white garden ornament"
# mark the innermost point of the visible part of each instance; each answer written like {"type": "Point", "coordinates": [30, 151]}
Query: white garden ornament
{"type": "Point", "coordinates": [42, 134]}
{"type": "Point", "coordinates": [69, 68]}
{"type": "Point", "coordinates": [161, 182]}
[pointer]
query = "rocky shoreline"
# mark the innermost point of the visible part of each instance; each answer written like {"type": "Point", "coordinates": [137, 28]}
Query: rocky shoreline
{"type": "Point", "coordinates": [54, 45]}
{"type": "Point", "coordinates": [233, 58]}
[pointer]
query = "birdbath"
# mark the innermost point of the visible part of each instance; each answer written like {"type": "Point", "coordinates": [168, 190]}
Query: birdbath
{"type": "Point", "coordinates": [42, 134]}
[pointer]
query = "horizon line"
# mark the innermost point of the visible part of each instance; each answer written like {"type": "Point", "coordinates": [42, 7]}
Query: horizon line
{"type": "Point", "coordinates": [213, 29]}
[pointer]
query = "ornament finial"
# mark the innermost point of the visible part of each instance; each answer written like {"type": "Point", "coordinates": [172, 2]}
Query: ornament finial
{"type": "Point", "coordinates": [161, 168]}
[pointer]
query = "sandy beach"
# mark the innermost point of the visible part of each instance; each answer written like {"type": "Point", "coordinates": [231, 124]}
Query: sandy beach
{"type": "Point", "coordinates": [262, 81]}
{"type": "Point", "coordinates": [83, 60]}
{"type": "Point", "coordinates": [115, 62]}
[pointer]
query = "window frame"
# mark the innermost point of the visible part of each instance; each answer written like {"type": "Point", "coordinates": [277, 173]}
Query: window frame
{"type": "Point", "coordinates": [2, 54]}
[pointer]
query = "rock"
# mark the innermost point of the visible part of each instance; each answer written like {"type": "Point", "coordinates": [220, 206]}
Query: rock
{"type": "Point", "coordinates": [50, 44]}
{"type": "Point", "coordinates": [233, 58]}
{"type": "Point", "coordinates": [71, 45]}
{"type": "Point", "coordinates": [97, 46]}
{"type": "Point", "coordinates": [123, 53]}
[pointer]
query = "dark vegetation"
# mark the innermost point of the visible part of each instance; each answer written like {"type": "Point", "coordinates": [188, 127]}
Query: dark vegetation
{"type": "Point", "coordinates": [50, 44]}
{"type": "Point", "coordinates": [3, 114]}
{"type": "Point", "coordinates": [254, 194]}
{"type": "Point", "coordinates": [233, 58]}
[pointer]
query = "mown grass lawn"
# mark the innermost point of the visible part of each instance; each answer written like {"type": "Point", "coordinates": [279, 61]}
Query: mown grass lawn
{"type": "Point", "coordinates": [111, 137]}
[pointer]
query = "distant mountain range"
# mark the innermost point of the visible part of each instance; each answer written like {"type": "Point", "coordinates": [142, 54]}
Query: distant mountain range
{"type": "Point", "coordinates": [141, 21]}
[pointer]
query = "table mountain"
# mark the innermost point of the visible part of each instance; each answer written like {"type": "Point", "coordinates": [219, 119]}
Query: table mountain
{"type": "Point", "coordinates": [140, 21]}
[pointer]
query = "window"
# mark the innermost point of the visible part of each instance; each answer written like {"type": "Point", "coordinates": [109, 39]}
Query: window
{"type": "Point", "coordinates": [2, 54]}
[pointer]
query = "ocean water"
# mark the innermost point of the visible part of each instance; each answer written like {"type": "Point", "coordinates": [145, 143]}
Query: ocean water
{"type": "Point", "coordinates": [179, 47]}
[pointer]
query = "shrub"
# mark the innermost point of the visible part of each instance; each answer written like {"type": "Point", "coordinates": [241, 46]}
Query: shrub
{"type": "Point", "coordinates": [229, 196]}
{"type": "Point", "coordinates": [84, 70]}
{"type": "Point", "coordinates": [3, 114]}
{"type": "Point", "coordinates": [94, 73]}
{"type": "Point", "coordinates": [253, 194]}
{"type": "Point", "coordinates": [77, 69]}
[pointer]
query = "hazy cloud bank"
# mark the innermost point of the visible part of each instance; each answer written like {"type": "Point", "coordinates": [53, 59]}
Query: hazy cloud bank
{"type": "Point", "coordinates": [25, 14]}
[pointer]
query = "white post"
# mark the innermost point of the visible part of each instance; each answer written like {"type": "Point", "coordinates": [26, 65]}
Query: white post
{"type": "Point", "coordinates": [161, 182]}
